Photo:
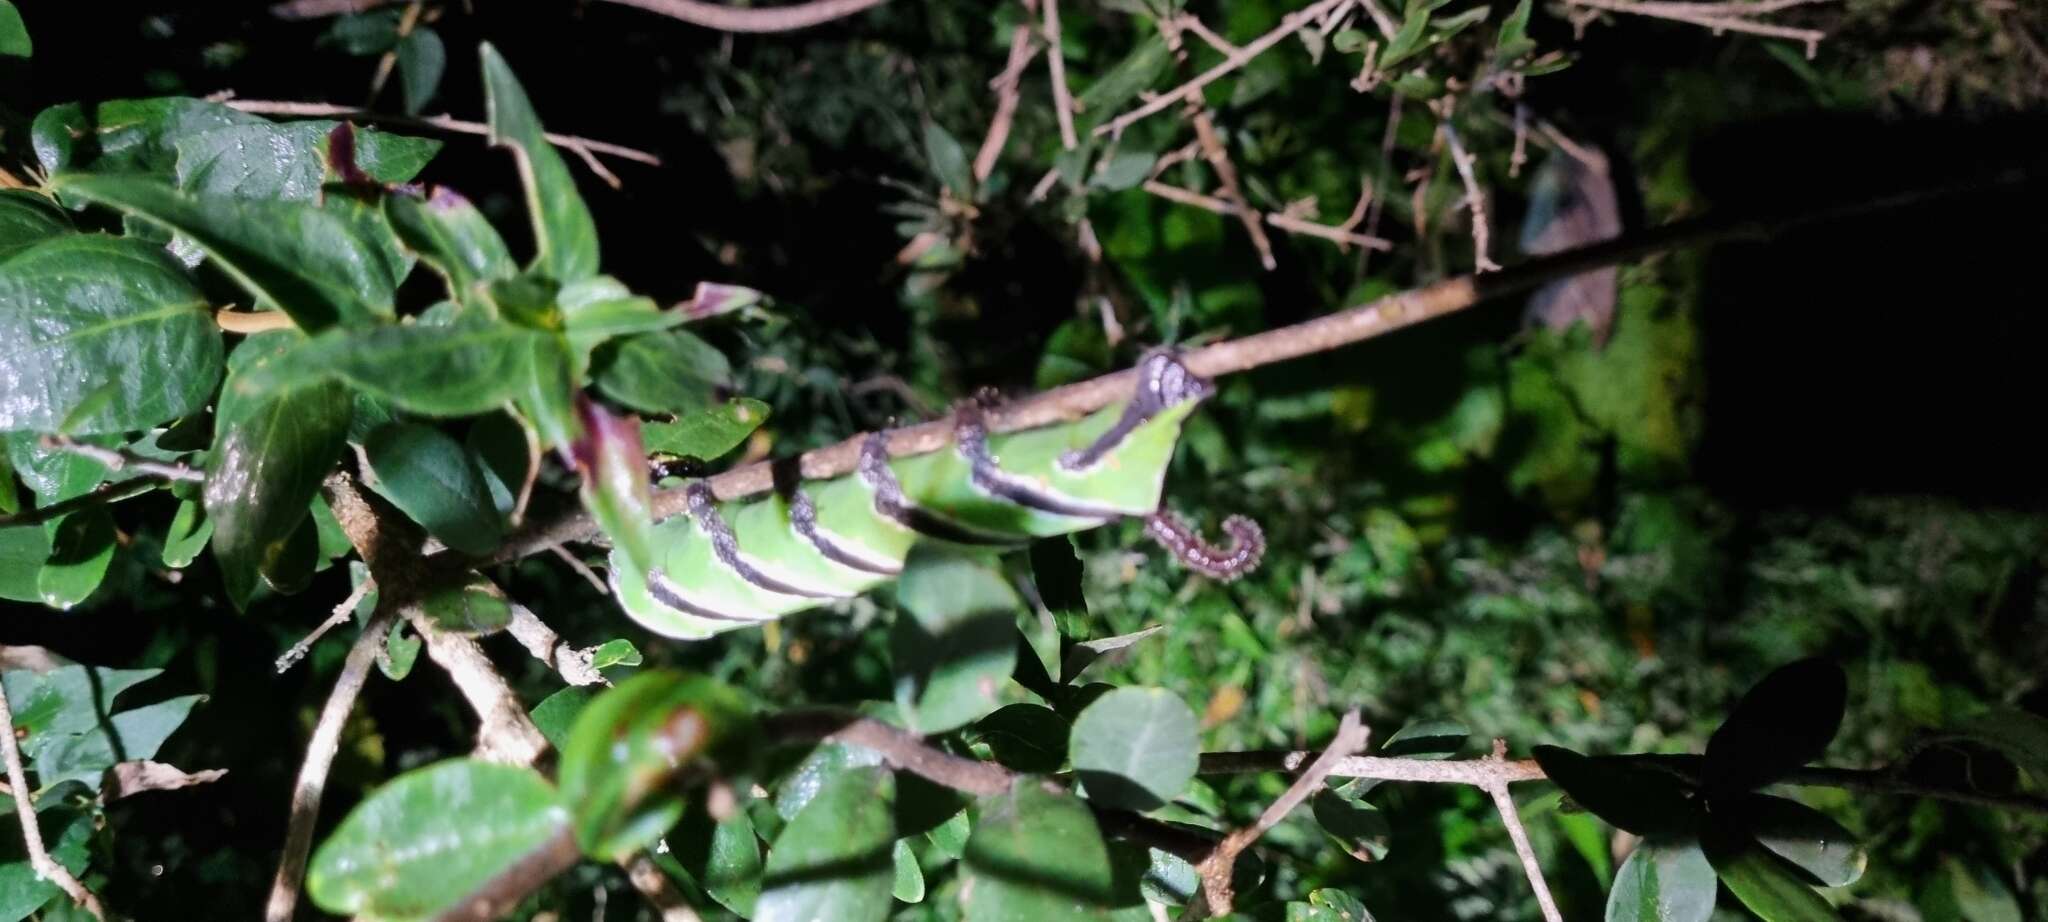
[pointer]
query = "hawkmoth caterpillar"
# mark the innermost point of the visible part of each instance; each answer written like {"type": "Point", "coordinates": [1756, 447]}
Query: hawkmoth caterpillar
{"type": "Point", "coordinates": [726, 565]}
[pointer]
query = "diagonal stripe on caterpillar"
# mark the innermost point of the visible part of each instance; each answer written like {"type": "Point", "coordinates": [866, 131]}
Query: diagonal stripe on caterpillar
{"type": "Point", "coordinates": [727, 565]}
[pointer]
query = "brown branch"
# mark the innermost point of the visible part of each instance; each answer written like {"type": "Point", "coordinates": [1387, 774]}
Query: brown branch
{"type": "Point", "coordinates": [320, 749]}
{"type": "Point", "coordinates": [657, 889]}
{"type": "Point", "coordinates": [1474, 772]}
{"type": "Point", "coordinates": [753, 19]}
{"type": "Point", "coordinates": [103, 494]}
{"type": "Point", "coordinates": [1005, 86]}
{"type": "Point", "coordinates": [39, 858]}
{"type": "Point", "coordinates": [1343, 238]}
{"type": "Point", "coordinates": [1729, 22]}
{"type": "Point", "coordinates": [1475, 199]}
{"type": "Point", "coordinates": [582, 146]}
{"type": "Point", "coordinates": [1216, 154]}
{"type": "Point", "coordinates": [1244, 55]}
{"type": "Point", "coordinates": [291, 656]}
{"type": "Point", "coordinates": [1056, 61]}
{"type": "Point", "coordinates": [573, 664]}
{"type": "Point", "coordinates": [1504, 802]}
{"type": "Point", "coordinates": [116, 460]}
{"type": "Point", "coordinates": [900, 748]}
{"type": "Point", "coordinates": [1215, 870]}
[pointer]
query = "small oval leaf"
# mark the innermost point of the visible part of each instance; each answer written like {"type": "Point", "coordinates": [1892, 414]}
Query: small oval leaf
{"type": "Point", "coordinates": [428, 476]}
{"type": "Point", "coordinates": [1035, 854]}
{"type": "Point", "coordinates": [1135, 748]}
{"type": "Point", "coordinates": [1640, 800]}
{"type": "Point", "coordinates": [833, 860]}
{"type": "Point", "coordinates": [1781, 723]}
{"type": "Point", "coordinates": [1663, 880]}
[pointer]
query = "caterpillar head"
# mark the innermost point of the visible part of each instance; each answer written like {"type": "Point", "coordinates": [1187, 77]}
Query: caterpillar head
{"type": "Point", "coordinates": [1164, 382]}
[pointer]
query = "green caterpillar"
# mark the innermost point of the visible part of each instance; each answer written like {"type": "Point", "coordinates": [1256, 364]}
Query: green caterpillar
{"type": "Point", "coordinates": [726, 565]}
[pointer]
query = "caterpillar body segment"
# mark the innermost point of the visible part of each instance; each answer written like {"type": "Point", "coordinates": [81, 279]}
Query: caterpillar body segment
{"type": "Point", "coordinates": [727, 565]}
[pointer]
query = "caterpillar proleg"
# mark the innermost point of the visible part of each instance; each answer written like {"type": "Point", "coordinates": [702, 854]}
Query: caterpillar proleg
{"type": "Point", "coordinates": [724, 565]}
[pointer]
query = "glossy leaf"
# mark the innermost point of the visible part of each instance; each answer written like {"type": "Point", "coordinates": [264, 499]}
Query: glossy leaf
{"type": "Point", "coordinates": [1804, 836]}
{"type": "Point", "coordinates": [429, 477]}
{"type": "Point", "coordinates": [723, 858]}
{"type": "Point", "coordinates": [955, 644]}
{"type": "Point", "coordinates": [66, 701]}
{"type": "Point", "coordinates": [126, 135]}
{"type": "Point", "coordinates": [1767, 884]}
{"type": "Point", "coordinates": [271, 451]}
{"type": "Point", "coordinates": [670, 372]}
{"type": "Point", "coordinates": [1426, 739]}
{"type": "Point", "coordinates": [1663, 880]}
{"type": "Point", "coordinates": [628, 743]}
{"type": "Point", "coordinates": [615, 487]}
{"type": "Point", "coordinates": [187, 535]}
{"type": "Point", "coordinates": [1035, 853]}
{"type": "Point", "coordinates": [498, 445]}
{"type": "Point", "coordinates": [1782, 723]}
{"type": "Point", "coordinates": [22, 552]}
{"type": "Point", "coordinates": [26, 219]}
{"type": "Point", "coordinates": [430, 836]}
{"type": "Point", "coordinates": [2021, 736]}
{"type": "Point", "coordinates": [820, 765]}
{"type": "Point", "coordinates": [909, 883]}
{"type": "Point", "coordinates": [451, 236]}
{"type": "Point", "coordinates": [1328, 905]}
{"type": "Point", "coordinates": [1637, 799]}
{"type": "Point", "coordinates": [615, 652]}
{"type": "Point", "coordinates": [1135, 748]}
{"type": "Point", "coordinates": [101, 334]}
{"type": "Point", "coordinates": [833, 859]}
{"type": "Point", "coordinates": [81, 546]}
{"type": "Point", "coordinates": [1029, 738]}
{"type": "Point", "coordinates": [316, 265]}
{"type": "Point", "coordinates": [467, 368]}
{"type": "Point", "coordinates": [290, 161]}
{"type": "Point", "coordinates": [1358, 827]}
{"type": "Point", "coordinates": [708, 433]}
{"type": "Point", "coordinates": [563, 232]}
{"type": "Point", "coordinates": [556, 714]}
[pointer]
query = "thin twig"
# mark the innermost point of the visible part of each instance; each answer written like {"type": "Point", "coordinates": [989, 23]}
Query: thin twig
{"type": "Point", "coordinates": [582, 569]}
{"type": "Point", "coordinates": [1475, 199]}
{"type": "Point", "coordinates": [1244, 55]}
{"type": "Point", "coordinates": [1056, 60]}
{"type": "Point", "coordinates": [1216, 154]}
{"type": "Point", "coordinates": [901, 748]}
{"type": "Point", "coordinates": [445, 123]}
{"type": "Point", "coordinates": [1215, 870]}
{"type": "Point", "coordinates": [320, 750]}
{"type": "Point", "coordinates": [321, 9]}
{"type": "Point", "coordinates": [1321, 334]}
{"type": "Point", "coordinates": [114, 459]}
{"type": "Point", "coordinates": [1338, 235]}
{"type": "Point", "coordinates": [103, 494]}
{"type": "Point", "coordinates": [1504, 802]}
{"type": "Point", "coordinates": [1005, 86]}
{"type": "Point", "coordinates": [39, 859]}
{"type": "Point", "coordinates": [573, 664]}
{"type": "Point", "coordinates": [341, 614]}
{"type": "Point", "coordinates": [753, 19]}
{"type": "Point", "coordinates": [1717, 22]}
{"type": "Point", "coordinates": [1202, 31]}
{"type": "Point", "coordinates": [658, 890]}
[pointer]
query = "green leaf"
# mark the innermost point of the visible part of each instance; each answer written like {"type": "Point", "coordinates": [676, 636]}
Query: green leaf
{"type": "Point", "coordinates": [1105, 98]}
{"type": "Point", "coordinates": [1359, 827]}
{"type": "Point", "coordinates": [470, 367]}
{"type": "Point", "coordinates": [669, 372]}
{"type": "Point", "coordinates": [1426, 739]}
{"type": "Point", "coordinates": [497, 443]}
{"type": "Point", "coordinates": [102, 334]}
{"type": "Point", "coordinates": [271, 450]}
{"type": "Point", "coordinates": [1123, 170]}
{"type": "Point", "coordinates": [68, 835]}
{"type": "Point", "coordinates": [452, 237]}
{"type": "Point", "coordinates": [2021, 736]}
{"type": "Point", "coordinates": [428, 476]}
{"type": "Point", "coordinates": [1327, 905]}
{"type": "Point", "coordinates": [556, 714]}
{"type": "Point", "coordinates": [1782, 723]}
{"type": "Point", "coordinates": [27, 218]}
{"type": "Point", "coordinates": [725, 859]}
{"type": "Point", "coordinates": [948, 161]}
{"type": "Point", "coordinates": [1802, 835]}
{"type": "Point", "coordinates": [472, 607]}
{"type": "Point", "coordinates": [1408, 39]}
{"type": "Point", "coordinates": [125, 135]}
{"type": "Point", "coordinates": [1035, 854]}
{"type": "Point", "coordinates": [315, 264]}
{"type": "Point", "coordinates": [708, 433]}
{"type": "Point", "coordinates": [81, 546]}
{"type": "Point", "coordinates": [1663, 880]}
{"type": "Point", "coordinates": [422, 59]}
{"type": "Point", "coordinates": [1765, 883]}
{"type": "Point", "coordinates": [1029, 738]}
{"type": "Point", "coordinates": [824, 762]}
{"type": "Point", "coordinates": [267, 160]}
{"type": "Point", "coordinates": [363, 34]}
{"type": "Point", "coordinates": [617, 652]}
{"type": "Point", "coordinates": [955, 645]}
{"type": "Point", "coordinates": [187, 535]}
{"type": "Point", "coordinates": [833, 859]}
{"type": "Point", "coordinates": [401, 650]}
{"type": "Point", "coordinates": [628, 743]}
{"type": "Point", "coordinates": [615, 486]}
{"type": "Point", "coordinates": [1960, 891]}
{"type": "Point", "coordinates": [563, 232]}
{"type": "Point", "coordinates": [14, 41]}
{"type": "Point", "coordinates": [909, 884]}
{"type": "Point", "coordinates": [1135, 748]}
{"type": "Point", "coordinates": [1634, 798]}
{"type": "Point", "coordinates": [23, 549]}
{"type": "Point", "coordinates": [430, 836]}
{"type": "Point", "coordinates": [1513, 41]}
{"type": "Point", "coordinates": [126, 736]}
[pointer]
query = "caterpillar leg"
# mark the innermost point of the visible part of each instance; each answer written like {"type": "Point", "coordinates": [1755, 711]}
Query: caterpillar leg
{"type": "Point", "coordinates": [1239, 557]}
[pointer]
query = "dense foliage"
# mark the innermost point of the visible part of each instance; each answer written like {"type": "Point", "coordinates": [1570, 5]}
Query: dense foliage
{"type": "Point", "coordinates": [1739, 549]}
